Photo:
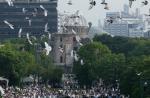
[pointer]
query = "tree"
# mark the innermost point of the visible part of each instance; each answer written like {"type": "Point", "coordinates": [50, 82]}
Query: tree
{"type": "Point", "coordinates": [136, 51]}
{"type": "Point", "coordinates": [21, 60]}
{"type": "Point", "coordinates": [117, 44]}
{"type": "Point", "coordinates": [48, 71]}
{"type": "Point", "coordinates": [99, 62]}
{"type": "Point", "coordinates": [142, 48]}
{"type": "Point", "coordinates": [17, 63]}
{"type": "Point", "coordinates": [8, 60]}
{"type": "Point", "coordinates": [111, 68]}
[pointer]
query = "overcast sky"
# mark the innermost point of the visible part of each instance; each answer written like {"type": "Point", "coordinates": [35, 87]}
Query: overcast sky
{"type": "Point", "coordinates": [98, 12]}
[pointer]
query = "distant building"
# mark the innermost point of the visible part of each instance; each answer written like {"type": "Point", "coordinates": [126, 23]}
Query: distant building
{"type": "Point", "coordinates": [147, 27]}
{"type": "Point", "coordinates": [136, 33]}
{"type": "Point", "coordinates": [28, 15]}
{"type": "Point", "coordinates": [125, 13]}
{"type": "Point", "coordinates": [126, 9]}
{"type": "Point", "coordinates": [125, 24]}
{"type": "Point", "coordinates": [100, 24]}
{"type": "Point", "coordinates": [137, 12]}
{"type": "Point", "coordinates": [147, 34]}
{"type": "Point", "coordinates": [117, 29]}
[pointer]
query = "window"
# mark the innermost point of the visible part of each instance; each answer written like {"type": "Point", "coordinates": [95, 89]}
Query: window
{"type": "Point", "coordinates": [60, 39]}
{"type": "Point", "coordinates": [61, 59]}
{"type": "Point", "coordinates": [61, 46]}
{"type": "Point", "coordinates": [74, 39]}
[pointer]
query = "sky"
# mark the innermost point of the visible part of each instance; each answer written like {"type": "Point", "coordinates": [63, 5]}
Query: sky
{"type": "Point", "coordinates": [98, 12]}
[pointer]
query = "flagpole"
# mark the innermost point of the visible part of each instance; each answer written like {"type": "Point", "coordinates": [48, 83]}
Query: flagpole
{"type": "Point", "coordinates": [65, 59]}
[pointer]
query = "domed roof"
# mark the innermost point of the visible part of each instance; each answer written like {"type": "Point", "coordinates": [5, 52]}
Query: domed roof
{"type": "Point", "coordinates": [72, 20]}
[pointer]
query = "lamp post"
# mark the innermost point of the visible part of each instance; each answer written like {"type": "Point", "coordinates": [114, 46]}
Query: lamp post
{"type": "Point", "coordinates": [141, 85]}
{"type": "Point", "coordinates": [66, 71]}
{"type": "Point", "coordinates": [141, 88]}
{"type": "Point", "coordinates": [37, 59]}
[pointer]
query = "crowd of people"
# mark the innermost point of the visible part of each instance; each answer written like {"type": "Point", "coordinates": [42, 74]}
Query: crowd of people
{"type": "Point", "coordinates": [41, 91]}
{"type": "Point", "coordinates": [69, 89]}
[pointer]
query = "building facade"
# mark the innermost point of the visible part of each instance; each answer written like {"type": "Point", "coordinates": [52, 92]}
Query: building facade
{"type": "Point", "coordinates": [117, 29]}
{"type": "Point", "coordinates": [147, 27]}
{"type": "Point", "coordinates": [73, 31]}
{"type": "Point", "coordinates": [62, 45]}
{"type": "Point", "coordinates": [35, 17]}
{"type": "Point", "coordinates": [125, 24]}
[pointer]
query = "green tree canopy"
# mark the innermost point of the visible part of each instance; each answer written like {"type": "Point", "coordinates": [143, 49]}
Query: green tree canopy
{"type": "Point", "coordinates": [99, 62]}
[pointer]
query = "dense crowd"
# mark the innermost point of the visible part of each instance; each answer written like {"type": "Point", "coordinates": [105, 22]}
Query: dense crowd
{"type": "Point", "coordinates": [69, 89]}
{"type": "Point", "coordinates": [47, 92]}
